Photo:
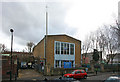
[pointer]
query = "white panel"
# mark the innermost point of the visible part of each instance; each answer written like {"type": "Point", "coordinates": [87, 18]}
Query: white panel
{"type": "Point", "coordinates": [64, 57]}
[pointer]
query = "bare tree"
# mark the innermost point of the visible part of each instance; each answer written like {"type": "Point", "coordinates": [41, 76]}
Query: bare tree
{"type": "Point", "coordinates": [93, 41]}
{"type": "Point", "coordinates": [111, 43]}
{"type": "Point", "coordinates": [101, 39]}
{"type": "Point", "coordinates": [3, 48]}
{"type": "Point", "coordinates": [114, 41]}
{"type": "Point", "coordinates": [116, 30]}
{"type": "Point", "coordinates": [104, 39]}
{"type": "Point", "coordinates": [30, 46]}
{"type": "Point", "coordinates": [86, 47]}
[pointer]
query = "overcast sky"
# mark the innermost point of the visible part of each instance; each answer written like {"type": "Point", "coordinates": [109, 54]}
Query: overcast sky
{"type": "Point", "coordinates": [76, 18]}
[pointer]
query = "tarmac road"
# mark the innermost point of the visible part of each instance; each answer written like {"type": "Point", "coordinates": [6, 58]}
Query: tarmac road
{"type": "Point", "coordinates": [31, 74]}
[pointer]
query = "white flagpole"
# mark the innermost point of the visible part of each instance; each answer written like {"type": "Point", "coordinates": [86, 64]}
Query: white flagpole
{"type": "Point", "coordinates": [46, 35]}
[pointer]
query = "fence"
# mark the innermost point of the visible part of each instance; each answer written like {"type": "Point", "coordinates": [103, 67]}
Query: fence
{"type": "Point", "coordinates": [107, 67]}
{"type": "Point", "coordinates": [61, 71]}
{"type": "Point", "coordinates": [38, 67]}
{"type": "Point", "coordinates": [112, 67]}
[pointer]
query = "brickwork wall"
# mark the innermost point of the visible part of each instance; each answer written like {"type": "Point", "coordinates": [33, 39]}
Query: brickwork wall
{"type": "Point", "coordinates": [50, 48]}
{"type": "Point", "coordinates": [6, 66]}
{"type": "Point", "coordinates": [39, 49]}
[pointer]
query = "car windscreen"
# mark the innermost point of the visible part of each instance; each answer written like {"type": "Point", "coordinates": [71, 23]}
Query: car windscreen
{"type": "Point", "coordinates": [112, 80]}
{"type": "Point", "coordinates": [73, 72]}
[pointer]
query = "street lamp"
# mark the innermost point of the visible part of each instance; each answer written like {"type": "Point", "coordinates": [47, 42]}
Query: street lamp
{"type": "Point", "coordinates": [11, 30]}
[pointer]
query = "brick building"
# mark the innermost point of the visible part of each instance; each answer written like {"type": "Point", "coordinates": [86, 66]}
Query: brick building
{"type": "Point", "coordinates": [60, 50]}
{"type": "Point", "coordinates": [22, 56]}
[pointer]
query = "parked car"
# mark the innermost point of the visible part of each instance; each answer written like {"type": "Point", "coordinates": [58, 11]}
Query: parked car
{"type": "Point", "coordinates": [23, 65]}
{"type": "Point", "coordinates": [77, 74]}
{"type": "Point", "coordinates": [113, 79]}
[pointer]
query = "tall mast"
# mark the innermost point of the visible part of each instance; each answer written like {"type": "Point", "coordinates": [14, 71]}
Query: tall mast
{"type": "Point", "coordinates": [46, 21]}
{"type": "Point", "coordinates": [45, 43]}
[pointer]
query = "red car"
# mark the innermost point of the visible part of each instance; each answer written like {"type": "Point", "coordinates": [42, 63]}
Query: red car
{"type": "Point", "coordinates": [77, 74]}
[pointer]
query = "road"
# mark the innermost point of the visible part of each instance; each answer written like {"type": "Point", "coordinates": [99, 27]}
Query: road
{"type": "Point", "coordinates": [30, 74]}
{"type": "Point", "coordinates": [100, 77]}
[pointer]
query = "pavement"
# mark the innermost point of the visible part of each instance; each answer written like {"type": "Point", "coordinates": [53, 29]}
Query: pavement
{"type": "Point", "coordinates": [101, 73]}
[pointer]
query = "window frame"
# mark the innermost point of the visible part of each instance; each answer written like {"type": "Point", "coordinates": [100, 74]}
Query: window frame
{"type": "Point", "coordinates": [62, 50]}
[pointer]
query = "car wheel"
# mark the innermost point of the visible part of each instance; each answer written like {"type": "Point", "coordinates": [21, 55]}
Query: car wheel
{"type": "Point", "coordinates": [85, 77]}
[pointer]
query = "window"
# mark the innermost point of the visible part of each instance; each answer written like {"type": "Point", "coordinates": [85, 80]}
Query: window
{"type": "Point", "coordinates": [64, 48]}
{"type": "Point", "coordinates": [73, 72]}
{"type": "Point", "coordinates": [57, 48]}
{"type": "Point", "coordinates": [67, 49]}
{"type": "Point", "coordinates": [72, 63]}
{"type": "Point", "coordinates": [77, 72]}
{"type": "Point", "coordinates": [72, 49]}
{"type": "Point", "coordinates": [62, 64]}
{"type": "Point", "coordinates": [82, 71]}
{"type": "Point", "coordinates": [57, 63]}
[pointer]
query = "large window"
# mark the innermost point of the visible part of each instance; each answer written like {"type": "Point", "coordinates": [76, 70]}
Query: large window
{"type": "Point", "coordinates": [64, 48]}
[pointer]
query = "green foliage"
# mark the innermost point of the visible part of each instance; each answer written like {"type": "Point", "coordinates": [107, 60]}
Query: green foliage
{"type": "Point", "coordinates": [95, 55]}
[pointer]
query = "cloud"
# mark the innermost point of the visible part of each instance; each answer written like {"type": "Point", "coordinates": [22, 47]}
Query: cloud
{"type": "Point", "coordinates": [28, 20]}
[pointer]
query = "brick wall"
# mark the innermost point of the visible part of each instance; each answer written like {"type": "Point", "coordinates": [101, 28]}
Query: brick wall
{"type": "Point", "coordinates": [6, 66]}
{"type": "Point", "coordinates": [50, 48]}
{"type": "Point", "coordinates": [39, 48]}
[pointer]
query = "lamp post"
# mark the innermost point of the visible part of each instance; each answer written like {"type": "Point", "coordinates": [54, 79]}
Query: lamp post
{"type": "Point", "coordinates": [11, 30]}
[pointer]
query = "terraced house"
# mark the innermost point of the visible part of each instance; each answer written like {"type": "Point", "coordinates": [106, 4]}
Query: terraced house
{"type": "Point", "coordinates": [59, 51]}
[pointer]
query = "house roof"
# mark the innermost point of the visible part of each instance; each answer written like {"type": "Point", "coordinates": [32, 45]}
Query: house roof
{"type": "Point", "coordinates": [57, 35]}
{"type": "Point", "coordinates": [62, 35]}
